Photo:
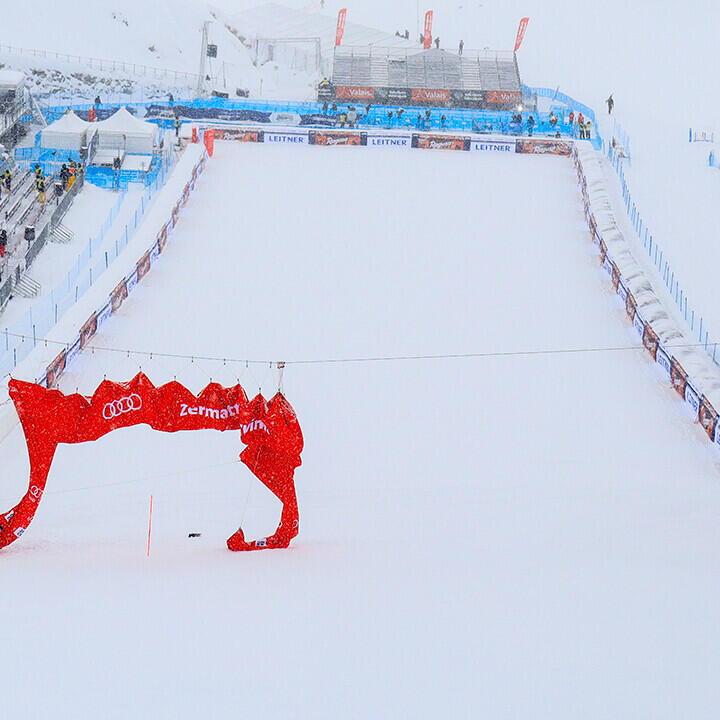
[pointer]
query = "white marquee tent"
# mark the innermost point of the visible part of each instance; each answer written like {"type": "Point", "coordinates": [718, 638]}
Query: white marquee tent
{"type": "Point", "coordinates": [123, 131]}
{"type": "Point", "coordinates": [67, 133]}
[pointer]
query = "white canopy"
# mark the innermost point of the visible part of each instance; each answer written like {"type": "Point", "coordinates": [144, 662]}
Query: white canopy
{"type": "Point", "coordinates": [67, 133]}
{"type": "Point", "coordinates": [126, 132]}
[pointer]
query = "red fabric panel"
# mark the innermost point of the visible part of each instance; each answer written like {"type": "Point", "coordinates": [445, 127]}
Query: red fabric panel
{"type": "Point", "coordinates": [270, 430]}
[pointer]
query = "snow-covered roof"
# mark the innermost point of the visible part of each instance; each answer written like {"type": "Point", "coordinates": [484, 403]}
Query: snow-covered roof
{"type": "Point", "coordinates": [68, 123]}
{"type": "Point", "coordinates": [123, 122]}
{"type": "Point", "coordinates": [276, 21]}
{"type": "Point", "coordinates": [11, 79]}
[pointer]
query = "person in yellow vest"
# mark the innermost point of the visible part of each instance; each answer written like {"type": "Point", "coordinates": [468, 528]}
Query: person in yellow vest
{"type": "Point", "coordinates": [71, 178]}
{"type": "Point", "coordinates": [41, 188]}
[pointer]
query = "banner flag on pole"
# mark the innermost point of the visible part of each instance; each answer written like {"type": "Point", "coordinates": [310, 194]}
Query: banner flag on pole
{"type": "Point", "coordinates": [428, 29]}
{"type": "Point", "coordinates": [521, 33]}
{"type": "Point", "coordinates": [340, 26]}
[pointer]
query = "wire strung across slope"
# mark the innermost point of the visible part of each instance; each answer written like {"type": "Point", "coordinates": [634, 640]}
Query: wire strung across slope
{"type": "Point", "coordinates": [381, 358]}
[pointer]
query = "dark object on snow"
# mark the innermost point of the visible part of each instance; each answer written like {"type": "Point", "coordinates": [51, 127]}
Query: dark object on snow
{"type": "Point", "coordinates": [194, 535]}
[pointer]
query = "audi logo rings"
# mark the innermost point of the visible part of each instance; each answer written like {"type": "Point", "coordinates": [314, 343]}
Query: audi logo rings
{"type": "Point", "coordinates": [123, 405]}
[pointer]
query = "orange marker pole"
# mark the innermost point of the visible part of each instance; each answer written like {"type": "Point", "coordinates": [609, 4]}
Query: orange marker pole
{"type": "Point", "coordinates": [150, 525]}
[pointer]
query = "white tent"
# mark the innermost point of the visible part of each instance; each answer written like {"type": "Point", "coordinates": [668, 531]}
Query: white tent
{"type": "Point", "coordinates": [123, 131]}
{"type": "Point", "coordinates": [67, 133]}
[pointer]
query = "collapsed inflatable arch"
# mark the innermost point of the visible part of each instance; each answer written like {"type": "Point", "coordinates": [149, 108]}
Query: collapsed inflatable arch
{"type": "Point", "coordinates": [269, 429]}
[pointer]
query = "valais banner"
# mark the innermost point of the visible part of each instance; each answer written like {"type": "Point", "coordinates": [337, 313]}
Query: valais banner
{"type": "Point", "coordinates": [521, 33]}
{"type": "Point", "coordinates": [428, 29]}
{"type": "Point", "coordinates": [340, 26]}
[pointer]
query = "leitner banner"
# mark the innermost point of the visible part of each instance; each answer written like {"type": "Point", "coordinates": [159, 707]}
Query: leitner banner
{"type": "Point", "coordinates": [270, 430]}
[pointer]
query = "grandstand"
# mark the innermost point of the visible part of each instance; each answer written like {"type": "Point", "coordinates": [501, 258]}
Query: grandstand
{"type": "Point", "coordinates": [14, 105]}
{"type": "Point", "coordinates": [476, 79]}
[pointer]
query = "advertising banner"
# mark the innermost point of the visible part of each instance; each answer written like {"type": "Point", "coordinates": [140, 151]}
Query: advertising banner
{"type": "Point", "coordinates": [504, 97]}
{"type": "Point", "coordinates": [103, 314]}
{"type": "Point", "coordinates": [55, 369]}
{"type": "Point", "coordinates": [430, 96]}
{"type": "Point", "coordinates": [154, 252]}
{"type": "Point", "coordinates": [389, 141]}
{"type": "Point", "coordinates": [493, 146]}
{"type": "Point", "coordinates": [717, 432]}
{"type": "Point", "coordinates": [131, 281]}
{"type": "Point", "coordinates": [650, 341]}
{"type": "Point", "coordinates": [708, 417]}
{"type": "Point", "coordinates": [678, 377]}
{"type": "Point", "coordinates": [663, 359]}
{"type": "Point", "coordinates": [630, 303]}
{"type": "Point", "coordinates": [238, 135]}
{"type": "Point", "coordinates": [639, 323]}
{"type": "Point", "coordinates": [440, 142]}
{"type": "Point", "coordinates": [622, 291]}
{"type": "Point", "coordinates": [603, 255]}
{"type": "Point", "coordinates": [398, 96]}
{"type": "Point", "coordinates": [473, 98]}
{"type": "Point", "coordinates": [162, 236]}
{"type": "Point", "coordinates": [88, 330]}
{"type": "Point", "coordinates": [692, 396]}
{"type": "Point", "coordinates": [340, 31]}
{"type": "Point", "coordinates": [73, 350]}
{"type": "Point", "coordinates": [544, 147]}
{"type": "Point", "coordinates": [615, 277]}
{"type": "Point", "coordinates": [354, 92]}
{"type": "Point", "coordinates": [118, 296]}
{"type": "Point", "coordinates": [299, 138]}
{"type": "Point", "coordinates": [608, 264]}
{"type": "Point", "coordinates": [143, 266]}
{"type": "Point", "coordinates": [428, 30]}
{"type": "Point", "coordinates": [522, 27]}
{"type": "Point", "coordinates": [337, 138]}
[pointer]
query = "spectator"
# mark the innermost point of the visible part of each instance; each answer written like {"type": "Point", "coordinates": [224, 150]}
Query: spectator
{"type": "Point", "coordinates": [176, 122]}
{"type": "Point", "coordinates": [443, 122]}
{"type": "Point", "coordinates": [390, 117]}
{"type": "Point", "coordinates": [171, 98]}
{"type": "Point", "coordinates": [3, 241]}
{"type": "Point", "coordinates": [342, 118]}
{"type": "Point", "coordinates": [517, 118]}
{"type": "Point", "coordinates": [461, 46]}
{"type": "Point", "coordinates": [407, 35]}
{"type": "Point", "coordinates": [400, 114]}
{"type": "Point", "coordinates": [325, 107]}
{"type": "Point", "coordinates": [7, 181]}
{"type": "Point", "coordinates": [422, 39]}
{"type": "Point", "coordinates": [418, 122]}
{"type": "Point", "coordinates": [530, 125]}
{"type": "Point", "coordinates": [588, 129]}
{"type": "Point", "coordinates": [41, 189]}
{"type": "Point", "coordinates": [437, 42]}
{"type": "Point", "coordinates": [553, 119]}
{"type": "Point", "coordinates": [38, 172]}
{"type": "Point", "coordinates": [64, 176]}
{"type": "Point", "coordinates": [367, 109]}
{"type": "Point", "coordinates": [611, 104]}
{"type": "Point", "coordinates": [580, 119]}
{"type": "Point", "coordinates": [571, 117]}
{"type": "Point", "coordinates": [97, 100]}
{"type": "Point", "coordinates": [352, 117]}
{"type": "Point", "coordinates": [334, 108]}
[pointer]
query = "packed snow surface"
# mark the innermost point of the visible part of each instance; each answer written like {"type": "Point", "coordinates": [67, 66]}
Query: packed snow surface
{"type": "Point", "coordinates": [509, 536]}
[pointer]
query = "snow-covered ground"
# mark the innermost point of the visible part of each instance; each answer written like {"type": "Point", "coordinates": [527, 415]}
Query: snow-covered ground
{"type": "Point", "coordinates": [511, 536]}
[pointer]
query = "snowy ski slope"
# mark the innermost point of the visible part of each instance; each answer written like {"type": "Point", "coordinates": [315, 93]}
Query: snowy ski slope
{"type": "Point", "coordinates": [524, 535]}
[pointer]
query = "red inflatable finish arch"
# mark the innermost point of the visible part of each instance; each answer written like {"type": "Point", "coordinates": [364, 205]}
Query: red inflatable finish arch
{"type": "Point", "coordinates": [269, 429]}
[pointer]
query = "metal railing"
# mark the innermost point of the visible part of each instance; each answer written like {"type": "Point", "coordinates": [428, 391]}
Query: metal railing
{"type": "Point", "coordinates": [102, 63]}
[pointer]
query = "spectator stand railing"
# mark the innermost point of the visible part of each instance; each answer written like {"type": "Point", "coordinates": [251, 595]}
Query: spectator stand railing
{"type": "Point", "coordinates": [90, 265]}
{"type": "Point", "coordinates": [316, 114]}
